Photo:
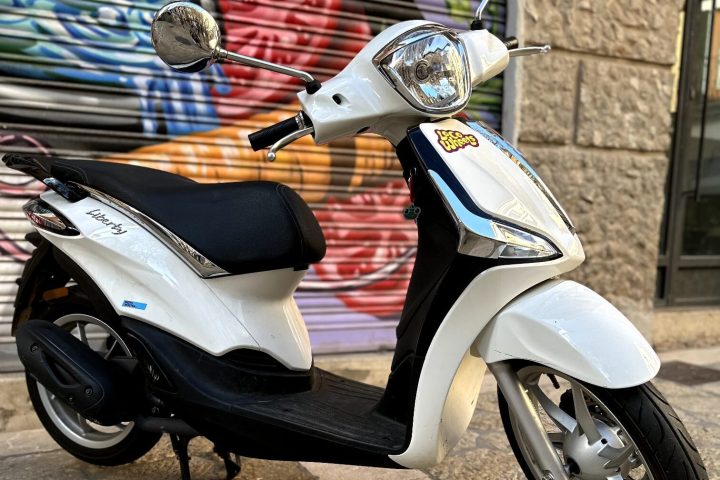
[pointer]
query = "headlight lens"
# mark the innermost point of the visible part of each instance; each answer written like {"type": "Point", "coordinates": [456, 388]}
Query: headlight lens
{"type": "Point", "coordinates": [428, 66]}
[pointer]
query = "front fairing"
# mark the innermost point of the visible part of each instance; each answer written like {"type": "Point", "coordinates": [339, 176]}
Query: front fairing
{"type": "Point", "coordinates": [482, 178]}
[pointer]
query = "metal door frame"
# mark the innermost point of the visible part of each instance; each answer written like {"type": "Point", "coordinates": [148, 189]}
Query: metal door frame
{"type": "Point", "coordinates": [671, 259]}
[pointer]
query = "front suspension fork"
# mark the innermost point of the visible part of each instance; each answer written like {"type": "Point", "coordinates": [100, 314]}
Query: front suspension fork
{"type": "Point", "coordinates": [528, 421]}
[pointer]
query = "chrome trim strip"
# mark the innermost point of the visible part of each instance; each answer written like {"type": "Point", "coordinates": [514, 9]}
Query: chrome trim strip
{"type": "Point", "coordinates": [514, 154]}
{"type": "Point", "coordinates": [410, 37]}
{"type": "Point", "coordinates": [300, 120]}
{"type": "Point", "coordinates": [478, 236]}
{"type": "Point", "coordinates": [194, 259]}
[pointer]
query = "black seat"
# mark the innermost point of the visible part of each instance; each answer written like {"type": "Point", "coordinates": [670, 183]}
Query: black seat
{"type": "Point", "coordinates": [242, 227]}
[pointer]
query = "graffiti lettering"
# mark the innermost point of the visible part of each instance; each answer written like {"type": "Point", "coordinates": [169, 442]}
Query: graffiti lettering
{"type": "Point", "coordinates": [114, 99]}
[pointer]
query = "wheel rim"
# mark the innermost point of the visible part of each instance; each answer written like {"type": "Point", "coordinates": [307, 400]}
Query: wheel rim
{"type": "Point", "coordinates": [104, 340]}
{"type": "Point", "coordinates": [591, 442]}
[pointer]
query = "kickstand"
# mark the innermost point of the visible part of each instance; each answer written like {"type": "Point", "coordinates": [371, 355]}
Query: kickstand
{"type": "Point", "coordinates": [180, 447]}
{"type": "Point", "coordinates": [231, 468]}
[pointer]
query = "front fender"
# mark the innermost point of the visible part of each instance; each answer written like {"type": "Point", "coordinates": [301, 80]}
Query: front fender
{"type": "Point", "coordinates": [568, 327]}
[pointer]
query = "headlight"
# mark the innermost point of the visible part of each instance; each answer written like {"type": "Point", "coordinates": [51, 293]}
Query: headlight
{"type": "Point", "coordinates": [521, 244]}
{"type": "Point", "coordinates": [428, 67]}
{"type": "Point", "coordinates": [490, 238]}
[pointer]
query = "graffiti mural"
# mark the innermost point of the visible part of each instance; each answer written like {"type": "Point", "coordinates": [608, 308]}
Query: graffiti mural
{"type": "Point", "coordinates": [79, 78]}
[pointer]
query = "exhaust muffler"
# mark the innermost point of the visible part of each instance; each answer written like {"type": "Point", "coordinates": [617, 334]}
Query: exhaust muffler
{"type": "Point", "coordinates": [98, 389]}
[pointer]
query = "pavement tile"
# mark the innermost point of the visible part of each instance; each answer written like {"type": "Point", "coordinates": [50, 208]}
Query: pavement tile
{"type": "Point", "coordinates": [698, 356]}
{"type": "Point", "coordinates": [158, 464]}
{"type": "Point", "coordinates": [482, 453]}
{"type": "Point", "coordinates": [688, 373]}
{"type": "Point", "coordinates": [325, 471]}
{"type": "Point", "coordinates": [26, 442]}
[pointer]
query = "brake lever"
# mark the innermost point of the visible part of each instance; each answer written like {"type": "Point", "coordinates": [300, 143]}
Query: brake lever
{"type": "Point", "coordinates": [287, 140]}
{"type": "Point", "coordinates": [525, 51]}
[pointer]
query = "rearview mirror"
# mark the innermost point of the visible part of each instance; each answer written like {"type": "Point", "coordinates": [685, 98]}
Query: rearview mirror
{"type": "Point", "coordinates": [186, 37]}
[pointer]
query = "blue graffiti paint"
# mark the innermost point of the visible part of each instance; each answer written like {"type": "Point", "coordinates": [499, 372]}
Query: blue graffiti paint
{"type": "Point", "coordinates": [108, 45]}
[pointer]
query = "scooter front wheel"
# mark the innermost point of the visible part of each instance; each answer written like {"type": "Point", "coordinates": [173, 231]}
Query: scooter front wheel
{"type": "Point", "coordinates": [603, 434]}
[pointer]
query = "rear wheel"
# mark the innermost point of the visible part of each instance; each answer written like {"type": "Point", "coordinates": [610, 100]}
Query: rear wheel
{"type": "Point", "coordinates": [70, 308]}
{"type": "Point", "coordinates": [602, 434]}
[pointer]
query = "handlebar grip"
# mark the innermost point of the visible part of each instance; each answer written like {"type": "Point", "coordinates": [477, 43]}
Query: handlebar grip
{"type": "Point", "coordinates": [512, 43]}
{"type": "Point", "coordinates": [268, 136]}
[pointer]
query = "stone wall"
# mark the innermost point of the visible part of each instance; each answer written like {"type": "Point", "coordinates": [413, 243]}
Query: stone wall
{"type": "Point", "coordinates": [594, 118]}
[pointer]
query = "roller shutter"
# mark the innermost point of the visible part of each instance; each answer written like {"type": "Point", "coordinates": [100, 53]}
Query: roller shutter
{"type": "Point", "coordinates": [80, 79]}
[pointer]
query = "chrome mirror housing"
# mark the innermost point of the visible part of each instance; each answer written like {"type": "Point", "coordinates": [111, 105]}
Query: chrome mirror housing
{"type": "Point", "coordinates": [186, 37]}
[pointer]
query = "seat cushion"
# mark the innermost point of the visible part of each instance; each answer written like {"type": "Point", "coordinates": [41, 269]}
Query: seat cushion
{"type": "Point", "coordinates": [242, 227]}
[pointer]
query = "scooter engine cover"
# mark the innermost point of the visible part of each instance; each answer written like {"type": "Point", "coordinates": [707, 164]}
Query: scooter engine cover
{"type": "Point", "coordinates": [96, 388]}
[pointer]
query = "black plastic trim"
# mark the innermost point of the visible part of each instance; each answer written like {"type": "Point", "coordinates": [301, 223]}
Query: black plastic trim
{"type": "Point", "coordinates": [439, 277]}
{"type": "Point", "coordinates": [98, 389]}
{"type": "Point", "coordinates": [266, 411]}
{"type": "Point", "coordinates": [34, 166]}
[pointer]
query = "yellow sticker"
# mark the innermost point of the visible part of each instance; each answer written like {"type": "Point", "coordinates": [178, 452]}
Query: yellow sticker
{"type": "Point", "coordinates": [452, 140]}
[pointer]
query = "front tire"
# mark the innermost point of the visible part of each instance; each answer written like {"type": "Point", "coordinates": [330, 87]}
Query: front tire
{"type": "Point", "coordinates": [636, 426]}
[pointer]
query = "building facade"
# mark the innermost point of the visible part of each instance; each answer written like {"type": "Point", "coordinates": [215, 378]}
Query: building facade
{"type": "Point", "coordinates": [596, 117]}
{"type": "Point", "coordinates": [620, 123]}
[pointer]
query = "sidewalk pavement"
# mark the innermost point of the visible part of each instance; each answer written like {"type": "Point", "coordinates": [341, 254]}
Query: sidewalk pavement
{"type": "Point", "coordinates": [690, 379]}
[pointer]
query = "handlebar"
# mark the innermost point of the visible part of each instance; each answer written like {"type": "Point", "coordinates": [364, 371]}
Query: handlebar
{"type": "Point", "coordinates": [526, 51]}
{"type": "Point", "coordinates": [512, 43]}
{"type": "Point", "coordinates": [514, 49]}
{"type": "Point", "coordinates": [268, 136]}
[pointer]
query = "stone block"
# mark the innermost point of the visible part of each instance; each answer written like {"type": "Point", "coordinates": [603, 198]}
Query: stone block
{"type": "Point", "coordinates": [616, 202]}
{"type": "Point", "coordinates": [549, 96]}
{"type": "Point", "coordinates": [645, 30]}
{"type": "Point", "coordinates": [624, 106]}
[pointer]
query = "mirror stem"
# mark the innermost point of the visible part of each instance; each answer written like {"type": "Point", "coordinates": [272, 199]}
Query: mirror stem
{"type": "Point", "coordinates": [477, 23]}
{"type": "Point", "coordinates": [311, 85]}
{"type": "Point", "coordinates": [481, 9]}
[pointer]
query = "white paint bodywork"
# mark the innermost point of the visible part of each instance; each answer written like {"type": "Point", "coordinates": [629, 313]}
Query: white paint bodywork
{"type": "Point", "coordinates": [369, 102]}
{"type": "Point", "coordinates": [499, 315]}
{"type": "Point", "coordinates": [568, 327]}
{"type": "Point", "coordinates": [218, 315]}
{"type": "Point", "coordinates": [474, 326]}
{"type": "Point", "coordinates": [560, 324]}
{"type": "Point", "coordinates": [448, 354]}
{"type": "Point", "coordinates": [499, 187]}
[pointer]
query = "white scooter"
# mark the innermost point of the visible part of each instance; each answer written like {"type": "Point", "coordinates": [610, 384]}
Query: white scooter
{"type": "Point", "coordinates": [154, 304]}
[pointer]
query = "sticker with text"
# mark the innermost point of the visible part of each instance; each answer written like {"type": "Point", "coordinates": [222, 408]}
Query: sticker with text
{"type": "Point", "coordinates": [135, 305]}
{"type": "Point", "coordinates": [452, 140]}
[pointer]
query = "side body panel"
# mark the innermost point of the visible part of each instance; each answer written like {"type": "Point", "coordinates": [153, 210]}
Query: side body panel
{"type": "Point", "coordinates": [492, 180]}
{"type": "Point", "coordinates": [436, 427]}
{"type": "Point", "coordinates": [568, 327]}
{"type": "Point", "coordinates": [482, 181]}
{"type": "Point", "coordinates": [145, 280]}
{"type": "Point", "coordinates": [368, 100]}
